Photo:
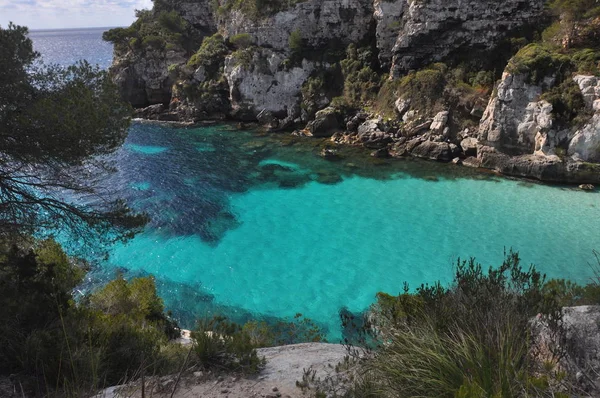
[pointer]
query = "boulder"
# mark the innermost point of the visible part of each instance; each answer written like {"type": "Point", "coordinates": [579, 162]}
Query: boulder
{"type": "Point", "coordinates": [434, 150]}
{"type": "Point", "coordinates": [590, 88]}
{"type": "Point", "coordinates": [266, 118]}
{"type": "Point", "coordinates": [469, 146]}
{"type": "Point", "coordinates": [325, 123]}
{"type": "Point", "coordinates": [369, 126]}
{"type": "Point", "coordinates": [402, 106]}
{"type": "Point", "coordinates": [439, 122]}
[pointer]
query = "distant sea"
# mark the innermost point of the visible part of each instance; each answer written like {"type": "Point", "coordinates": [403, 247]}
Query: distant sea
{"type": "Point", "coordinates": [67, 46]}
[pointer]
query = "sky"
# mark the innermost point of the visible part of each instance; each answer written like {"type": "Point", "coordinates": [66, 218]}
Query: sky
{"type": "Point", "coordinates": [62, 14]}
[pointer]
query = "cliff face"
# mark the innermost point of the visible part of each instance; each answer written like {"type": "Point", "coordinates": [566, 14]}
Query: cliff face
{"type": "Point", "coordinates": [283, 64]}
{"type": "Point", "coordinates": [432, 30]}
{"type": "Point", "coordinates": [318, 22]}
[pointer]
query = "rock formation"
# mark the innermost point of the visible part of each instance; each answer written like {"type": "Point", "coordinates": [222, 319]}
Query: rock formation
{"type": "Point", "coordinates": [283, 65]}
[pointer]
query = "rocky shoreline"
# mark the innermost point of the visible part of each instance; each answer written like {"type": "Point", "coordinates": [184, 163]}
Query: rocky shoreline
{"type": "Point", "coordinates": [364, 73]}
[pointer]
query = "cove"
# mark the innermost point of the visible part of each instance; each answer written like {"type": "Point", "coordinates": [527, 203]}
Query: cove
{"type": "Point", "coordinates": [261, 225]}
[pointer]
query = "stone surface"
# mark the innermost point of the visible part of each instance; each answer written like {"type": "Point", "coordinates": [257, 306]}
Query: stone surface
{"type": "Point", "coordinates": [318, 21]}
{"type": "Point", "coordinates": [590, 88]}
{"type": "Point", "coordinates": [325, 123]}
{"type": "Point", "coordinates": [585, 144]}
{"type": "Point", "coordinates": [284, 366]}
{"type": "Point", "coordinates": [387, 15]}
{"type": "Point", "coordinates": [434, 150]}
{"type": "Point", "coordinates": [439, 122]}
{"type": "Point", "coordinates": [265, 85]}
{"type": "Point", "coordinates": [469, 146]}
{"type": "Point", "coordinates": [143, 78]}
{"type": "Point", "coordinates": [433, 29]}
{"type": "Point", "coordinates": [579, 343]}
{"type": "Point", "coordinates": [543, 168]}
{"type": "Point", "coordinates": [513, 116]}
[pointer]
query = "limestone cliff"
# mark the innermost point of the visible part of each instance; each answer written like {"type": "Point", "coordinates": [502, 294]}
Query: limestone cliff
{"type": "Point", "coordinates": [432, 30]}
{"type": "Point", "coordinates": [425, 78]}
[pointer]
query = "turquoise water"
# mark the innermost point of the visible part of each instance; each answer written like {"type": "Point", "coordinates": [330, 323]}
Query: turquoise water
{"type": "Point", "coordinates": [260, 227]}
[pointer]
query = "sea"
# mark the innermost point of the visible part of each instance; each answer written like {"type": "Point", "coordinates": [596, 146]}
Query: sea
{"type": "Point", "coordinates": [252, 225]}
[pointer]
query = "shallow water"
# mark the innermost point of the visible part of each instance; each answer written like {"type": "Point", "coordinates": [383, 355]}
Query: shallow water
{"type": "Point", "coordinates": [252, 225]}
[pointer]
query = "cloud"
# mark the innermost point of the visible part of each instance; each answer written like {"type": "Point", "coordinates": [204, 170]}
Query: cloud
{"type": "Point", "coordinates": [43, 14]}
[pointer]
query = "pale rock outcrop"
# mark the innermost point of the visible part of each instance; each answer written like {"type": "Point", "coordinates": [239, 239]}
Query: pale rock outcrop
{"type": "Point", "coordinates": [319, 22]}
{"type": "Point", "coordinates": [388, 15]}
{"type": "Point", "coordinates": [590, 88]}
{"type": "Point", "coordinates": [469, 146]}
{"type": "Point", "coordinates": [585, 144]}
{"type": "Point", "coordinates": [265, 84]}
{"type": "Point", "coordinates": [439, 122]}
{"type": "Point", "coordinates": [578, 344]}
{"type": "Point", "coordinates": [434, 29]}
{"type": "Point", "coordinates": [402, 106]}
{"type": "Point", "coordinates": [514, 116]}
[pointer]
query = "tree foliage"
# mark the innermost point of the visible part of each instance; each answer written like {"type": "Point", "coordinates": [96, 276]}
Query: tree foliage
{"type": "Point", "coordinates": [57, 126]}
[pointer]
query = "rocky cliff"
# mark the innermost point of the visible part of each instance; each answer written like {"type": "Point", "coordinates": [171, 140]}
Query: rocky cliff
{"type": "Point", "coordinates": [402, 77]}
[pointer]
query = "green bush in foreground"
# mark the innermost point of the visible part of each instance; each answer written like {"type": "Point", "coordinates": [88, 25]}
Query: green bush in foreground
{"type": "Point", "coordinates": [471, 339]}
{"type": "Point", "coordinates": [51, 342]}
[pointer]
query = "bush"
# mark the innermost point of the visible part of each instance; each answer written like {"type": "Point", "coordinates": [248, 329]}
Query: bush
{"type": "Point", "coordinates": [223, 344]}
{"type": "Point", "coordinates": [241, 41]}
{"type": "Point", "coordinates": [361, 82]}
{"type": "Point", "coordinates": [567, 102]}
{"type": "Point", "coordinates": [156, 42]}
{"type": "Point", "coordinates": [424, 87]}
{"type": "Point", "coordinates": [50, 341]}
{"type": "Point", "coordinates": [296, 42]}
{"type": "Point", "coordinates": [471, 339]}
{"type": "Point", "coordinates": [538, 61]}
{"type": "Point", "coordinates": [172, 21]}
{"type": "Point", "coordinates": [211, 55]}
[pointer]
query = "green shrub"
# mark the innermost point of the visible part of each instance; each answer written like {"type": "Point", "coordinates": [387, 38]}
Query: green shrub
{"type": "Point", "coordinates": [538, 61]}
{"type": "Point", "coordinates": [470, 338]}
{"type": "Point", "coordinates": [567, 102]}
{"type": "Point", "coordinates": [361, 82]}
{"type": "Point", "coordinates": [241, 41]}
{"type": "Point", "coordinates": [296, 42]}
{"type": "Point", "coordinates": [117, 35]}
{"type": "Point", "coordinates": [211, 55]}
{"type": "Point", "coordinates": [574, 9]}
{"type": "Point", "coordinates": [587, 61]}
{"type": "Point", "coordinates": [156, 42]}
{"type": "Point", "coordinates": [172, 21]}
{"type": "Point", "coordinates": [424, 87]}
{"type": "Point", "coordinates": [51, 341]}
{"type": "Point", "coordinates": [223, 344]}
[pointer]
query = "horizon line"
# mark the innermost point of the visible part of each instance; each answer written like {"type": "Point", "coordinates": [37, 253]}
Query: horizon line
{"type": "Point", "coordinates": [77, 28]}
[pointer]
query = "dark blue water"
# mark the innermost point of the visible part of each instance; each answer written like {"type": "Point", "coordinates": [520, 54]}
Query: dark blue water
{"type": "Point", "coordinates": [67, 46]}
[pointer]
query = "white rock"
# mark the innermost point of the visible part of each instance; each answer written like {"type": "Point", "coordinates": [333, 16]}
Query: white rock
{"type": "Point", "coordinates": [585, 144]}
{"type": "Point", "coordinates": [271, 88]}
{"type": "Point", "coordinates": [439, 122]}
